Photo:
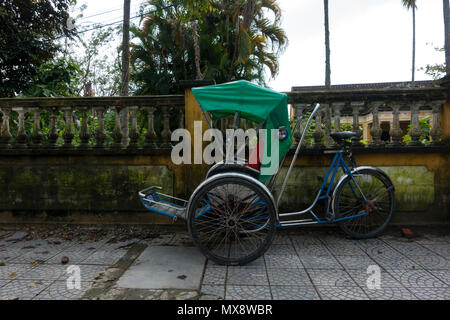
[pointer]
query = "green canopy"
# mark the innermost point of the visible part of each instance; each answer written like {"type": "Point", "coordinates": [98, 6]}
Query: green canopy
{"type": "Point", "coordinates": [253, 103]}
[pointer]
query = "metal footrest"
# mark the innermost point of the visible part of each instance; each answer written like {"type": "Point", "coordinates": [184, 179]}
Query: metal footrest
{"type": "Point", "coordinates": [163, 204]}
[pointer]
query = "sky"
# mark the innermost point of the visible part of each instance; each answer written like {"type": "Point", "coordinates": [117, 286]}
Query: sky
{"type": "Point", "coordinates": [371, 40]}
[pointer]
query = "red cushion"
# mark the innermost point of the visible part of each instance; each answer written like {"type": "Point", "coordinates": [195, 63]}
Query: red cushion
{"type": "Point", "coordinates": [256, 156]}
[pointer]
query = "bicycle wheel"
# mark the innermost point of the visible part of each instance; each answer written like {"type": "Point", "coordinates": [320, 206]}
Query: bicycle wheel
{"type": "Point", "coordinates": [232, 219]}
{"type": "Point", "coordinates": [375, 213]}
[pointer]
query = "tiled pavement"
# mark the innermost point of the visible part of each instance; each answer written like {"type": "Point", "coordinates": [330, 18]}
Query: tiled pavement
{"type": "Point", "coordinates": [316, 265]}
{"type": "Point", "coordinates": [304, 265]}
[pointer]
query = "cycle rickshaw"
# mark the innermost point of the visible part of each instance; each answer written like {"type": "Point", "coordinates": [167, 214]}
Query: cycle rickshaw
{"type": "Point", "coordinates": [233, 215]}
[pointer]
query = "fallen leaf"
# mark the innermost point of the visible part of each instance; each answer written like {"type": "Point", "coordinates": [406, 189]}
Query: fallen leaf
{"type": "Point", "coordinates": [12, 275]}
{"type": "Point", "coordinates": [64, 260]}
{"type": "Point", "coordinates": [2, 264]}
{"type": "Point", "coordinates": [257, 275]}
{"type": "Point", "coordinates": [33, 264]}
{"type": "Point", "coordinates": [32, 285]}
{"type": "Point", "coordinates": [183, 277]}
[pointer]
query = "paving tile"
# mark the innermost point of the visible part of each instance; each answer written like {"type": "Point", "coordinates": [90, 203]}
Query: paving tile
{"type": "Point", "coordinates": [59, 290]}
{"type": "Point", "coordinates": [241, 292]}
{"type": "Point", "coordinates": [247, 276]}
{"type": "Point", "coordinates": [409, 248]}
{"type": "Point", "coordinates": [104, 257]}
{"type": "Point", "coordinates": [286, 262]}
{"type": "Point", "coordinates": [76, 255]}
{"type": "Point", "coordinates": [346, 250]}
{"type": "Point", "coordinates": [305, 240]}
{"type": "Point", "coordinates": [383, 252]}
{"type": "Point", "coordinates": [258, 263]}
{"type": "Point", "coordinates": [88, 273]}
{"type": "Point", "coordinates": [162, 240]}
{"type": "Point", "coordinates": [355, 262]}
{"type": "Point", "coordinates": [7, 255]}
{"type": "Point", "coordinates": [13, 271]}
{"type": "Point", "coordinates": [23, 289]}
{"type": "Point", "coordinates": [44, 272]}
{"type": "Point", "coordinates": [4, 282]}
{"type": "Point", "coordinates": [336, 278]}
{"type": "Point", "coordinates": [401, 263]}
{"type": "Point", "coordinates": [281, 250]}
{"type": "Point", "coordinates": [370, 243]}
{"type": "Point", "coordinates": [294, 293]}
{"type": "Point", "coordinates": [341, 293]}
{"type": "Point", "coordinates": [395, 293]}
{"type": "Point", "coordinates": [288, 277]}
{"type": "Point", "coordinates": [432, 262]}
{"type": "Point", "coordinates": [213, 290]}
{"type": "Point", "coordinates": [323, 262]}
{"type": "Point", "coordinates": [443, 275]}
{"type": "Point", "coordinates": [417, 279]}
{"type": "Point", "coordinates": [38, 256]}
{"type": "Point", "coordinates": [282, 238]}
{"type": "Point", "coordinates": [432, 239]}
{"type": "Point", "coordinates": [312, 250]}
{"type": "Point", "coordinates": [215, 276]}
{"type": "Point", "coordinates": [361, 277]}
{"type": "Point", "coordinates": [431, 293]}
{"type": "Point", "coordinates": [440, 249]}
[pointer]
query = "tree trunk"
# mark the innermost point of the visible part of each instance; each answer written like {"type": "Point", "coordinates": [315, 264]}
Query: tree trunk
{"type": "Point", "coordinates": [447, 35]}
{"type": "Point", "coordinates": [327, 47]}
{"type": "Point", "coordinates": [125, 67]}
{"type": "Point", "coordinates": [414, 45]}
{"type": "Point", "coordinates": [196, 50]}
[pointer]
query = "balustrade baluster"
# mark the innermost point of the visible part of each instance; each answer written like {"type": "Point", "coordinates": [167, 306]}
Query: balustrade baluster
{"type": "Point", "coordinates": [100, 135]}
{"type": "Point", "coordinates": [436, 129]}
{"type": "Point", "coordinates": [376, 130]}
{"type": "Point", "coordinates": [53, 135]}
{"type": "Point", "coordinates": [318, 132]}
{"type": "Point", "coordinates": [68, 134]}
{"type": "Point", "coordinates": [21, 136]}
{"type": "Point", "coordinates": [117, 134]}
{"type": "Point", "coordinates": [415, 132]}
{"type": "Point", "coordinates": [396, 132]}
{"type": "Point", "coordinates": [84, 134]}
{"type": "Point", "coordinates": [298, 111]}
{"type": "Point", "coordinates": [134, 134]}
{"type": "Point", "coordinates": [150, 137]}
{"type": "Point", "coordinates": [166, 134]}
{"type": "Point", "coordinates": [356, 110]}
{"type": "Point", "coordinates": [5, 134]}
{"type": "Point", "coordinates": [328, 129]}
{"type": "Point", "coordinates": [181, 124]}
{"type": "Point", "coordinates": [36, 137]}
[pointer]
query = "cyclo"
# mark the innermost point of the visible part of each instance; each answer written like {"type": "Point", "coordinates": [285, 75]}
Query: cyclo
{"type": "Point", "coordinates": [233, 215]}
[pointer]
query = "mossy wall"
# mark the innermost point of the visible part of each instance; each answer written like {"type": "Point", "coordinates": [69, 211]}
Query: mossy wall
{"type": "Point", "coordinates": [103, 188]}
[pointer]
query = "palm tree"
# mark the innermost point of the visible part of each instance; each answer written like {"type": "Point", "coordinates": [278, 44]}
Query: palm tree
{"type": "Point", "coordinates": [447, 35]}
{"type": "Point", "coordinates": [411, 4]}
{"type": "Point", "coordinates": [327, 47]}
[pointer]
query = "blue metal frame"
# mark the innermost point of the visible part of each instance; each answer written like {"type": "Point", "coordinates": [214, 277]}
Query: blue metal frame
{"type": "Point", "coordinates": [338, 162]}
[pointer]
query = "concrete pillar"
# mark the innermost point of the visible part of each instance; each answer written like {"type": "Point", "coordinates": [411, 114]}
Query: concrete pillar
{"type": "Point", "coordinates": [194, 174]}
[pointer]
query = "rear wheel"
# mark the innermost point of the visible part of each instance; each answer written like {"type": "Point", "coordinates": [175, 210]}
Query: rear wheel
{"type": "Point", "coordinates": [373, 214]}
{"type": "Point", "coordinates": [232, 220]}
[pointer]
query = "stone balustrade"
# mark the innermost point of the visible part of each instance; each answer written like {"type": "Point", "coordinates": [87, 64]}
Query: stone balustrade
{"type": "Point", "coordinates": [89, 123]}
{"type": "Point", "coordinates": [354, 105]}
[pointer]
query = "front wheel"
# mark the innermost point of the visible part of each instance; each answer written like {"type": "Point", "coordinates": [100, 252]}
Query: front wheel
{"type": "Point", "coordinates": [363, 217]}
{"type": "Point", "coordinates": [232, 219]}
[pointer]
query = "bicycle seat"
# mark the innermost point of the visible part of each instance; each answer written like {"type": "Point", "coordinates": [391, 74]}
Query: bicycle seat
{"type": "Point", "coordinates": [339, 137]}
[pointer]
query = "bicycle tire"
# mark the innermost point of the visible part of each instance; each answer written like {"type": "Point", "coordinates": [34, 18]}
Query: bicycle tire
{"type": "Point", "coordinates": [379, 209]}
{"type": "Point", "coordinates": [230, 224]}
